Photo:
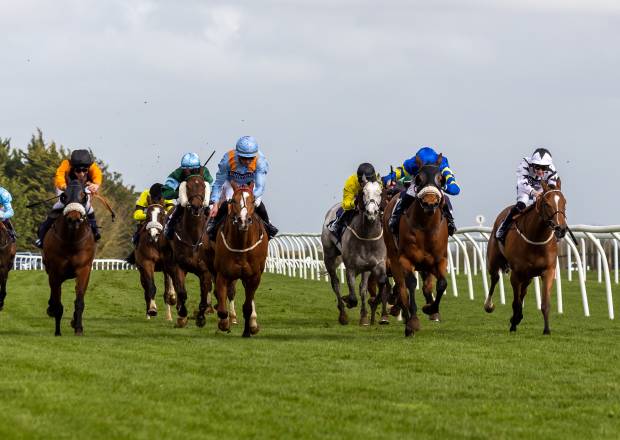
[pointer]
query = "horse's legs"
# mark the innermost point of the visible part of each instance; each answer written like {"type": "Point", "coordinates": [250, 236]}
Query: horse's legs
{"type": "Point", "coordinates": [81, 283]}
{"type": "Point", "coordinates": [55, 307]}
{"type": "Point", "coordinates": [363, 292]}
{"type": "Point", "coordinates": [147, 273]}
{"type": "Point", "coordinates": [373, 298]}
{"type": "Point", "coordinates": [179, 286]}
{"type": "Point", "coordinates": [170, 295]}
{"type": "Point", "coordinates": [4, 275]}
{"type": "Point", "coordinates": [518, 287]}
{"type": "Point", "coordinates": [430, 308]}
{"type": "Point", "coordinates": [488, 303]}
{"type": "Point", "coordinates": [250, 326]}
{"type": "Point", "coordinates": [351, 300]}
{"type": "Point", "coordinates": [380, 281]}
{"type": "Point", "coordinates": [330, 265]}
{"type": "Point", "coordinates": [385, 293]}
{"type": "Point", "coordinates": [221, 288]}
{"type": "Point", "coordinates": [205, 288]}
{"type": "Point", "coordinates": [495, 263]}
{"type": "Point", "coordinates": [401, 270]}
{"type": "Point", "coordinates": [230, 293]}
{"type": "Point", "coordinates": [545, 305]}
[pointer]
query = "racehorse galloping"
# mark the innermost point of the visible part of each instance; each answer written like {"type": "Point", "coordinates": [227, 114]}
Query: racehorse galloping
{"type": "Point", "coordinates": [7, 257]}
{"type": "Point", "coordinates": [363, 252]}
{"type": "Point", "coordinates": [68, 252]}
{"type": "Point", "coordinates": [421, 244]}
{"type": "Point", "coordinates": [531, 250]}
{"type": "Point", "coordinates": [240, 253]}
{"type": "Point", "coordinates": [189, 247]}
{"type": "Point", "coordinates": [149, 256]}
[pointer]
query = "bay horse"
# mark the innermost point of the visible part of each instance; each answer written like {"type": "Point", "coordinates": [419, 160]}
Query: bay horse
{"type": "Point", "coordinates": [7, 257]}
{"type": "Point", "coordinates": [68, 252]}
{"type": "Point", "coordinates": [530, 250]}
{"type": "Point", "coordinates": [362, 252]}
{"type": "Point", "coordinates": [240, 252]}
{"type": "Point", "coordinates": [188, 248]}
{"type": "Point", "coordinates": [421, 244]}
{"type": "Point", "coordinates": [149, 257]}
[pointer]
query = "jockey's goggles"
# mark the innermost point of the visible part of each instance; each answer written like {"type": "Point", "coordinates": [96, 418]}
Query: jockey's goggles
{"type": "Point", "coordinates": [81, 170]}
{"type": "Point", "coordinates": [541, 167]}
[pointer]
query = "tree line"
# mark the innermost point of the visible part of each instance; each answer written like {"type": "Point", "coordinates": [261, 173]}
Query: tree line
{"type": "Point", "coordinates": [28, 175]}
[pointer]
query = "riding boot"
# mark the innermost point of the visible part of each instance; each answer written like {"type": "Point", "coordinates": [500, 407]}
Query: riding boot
{"type": "Point", "coordinates": [261, 210]}
{"type": "Point", "coordinates": [337, 226]}
{"type": "Point", "coordinates": [92, 221]}
{"type": "Point", "coordinates": [172, 221]}
{"type": "Point", "coordinates": [401, 206]}
{"type": "Point", "coordinates": [136, 236]}
{"type": "Point", "coordinates": [10, 230]}
{"type": "Point", "coordinates": [502, 231]}
{"type": "Point", "coordinates": [45, 226]}
{"type": "Point", "coordinates": [449, 218]}
{"type": "Point", "coordinates": [214, 222]}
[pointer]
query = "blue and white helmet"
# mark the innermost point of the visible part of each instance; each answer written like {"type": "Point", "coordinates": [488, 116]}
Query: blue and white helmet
{"type": "Point", "coordinates": [190, 160]}
{"type": "Point", "coordinates": [247, 147]}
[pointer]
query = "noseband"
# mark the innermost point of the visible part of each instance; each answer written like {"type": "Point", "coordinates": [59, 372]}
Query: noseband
{"type": "Point", "coordinates": [548, 220]}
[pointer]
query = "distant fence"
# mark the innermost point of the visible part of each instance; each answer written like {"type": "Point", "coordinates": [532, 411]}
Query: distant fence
{"type": "Point", "coordinates": [301, 255]}
{"type": "Point", "coordinates": [28, 261]}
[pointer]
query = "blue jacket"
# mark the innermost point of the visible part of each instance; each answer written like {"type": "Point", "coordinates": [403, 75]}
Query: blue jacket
{"type": "Point", "coordinates": [427, 155]}
{"type": "Point", "coordinates": [231, 169]}
{"type": "Point", "coordinates": [6, 210]}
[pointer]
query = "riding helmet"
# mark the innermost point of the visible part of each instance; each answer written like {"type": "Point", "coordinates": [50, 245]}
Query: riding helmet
{"type": "Point", "coordinates": [190, 160]}
{"type": "Point", "coordinates": [81, 158]}
{"type": "Point", "coordinates": [427, 155]}
{"type": "Point", "coordinates": [542, 157]}
{"type": "Point", "coordinates": [367, 171]}
{"type": "Point", "coordinates": [247, 146]}
{"type": "Point", "coordinates": [155, 191]}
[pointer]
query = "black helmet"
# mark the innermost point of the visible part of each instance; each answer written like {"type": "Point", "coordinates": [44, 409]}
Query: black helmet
{"type": "Point", "coordinates": [367, 171]}
{"type": "Point", "coordinates": [155, 191]}
{"type": "Point", "coordinates": [81, 158]}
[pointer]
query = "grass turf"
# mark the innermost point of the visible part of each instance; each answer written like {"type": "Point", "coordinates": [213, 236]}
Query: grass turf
{"type": "Point", "coordinates": [303, 375]}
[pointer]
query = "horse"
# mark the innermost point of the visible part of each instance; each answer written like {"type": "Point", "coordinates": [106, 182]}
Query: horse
{"type": "Point", "coordinates": [188, 248]}
{"type": "Point", "coordinates": [530, 250]}
{"type": "Point", "coordinates": [421, 245]}
{"type": "Point", "coordinates": [362, 251]}
{"type": "Point", "coordinates": [239, 252]}
{"type": "Point", "coordinates": [149, 258]}
{"type": "Point", "coordinates": [7, 257]}
{"type": "Point", "coordinates": [68, 252]}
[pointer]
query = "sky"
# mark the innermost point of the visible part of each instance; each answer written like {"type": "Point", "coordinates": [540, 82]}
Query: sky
{"type": "Point", "coordinates": [323, 86]}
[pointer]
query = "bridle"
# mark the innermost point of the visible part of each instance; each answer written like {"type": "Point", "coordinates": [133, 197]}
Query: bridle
{"type": "Point", "coordinates": [236, 219]}
{"type": "Point", "coordinates": [548, 220]}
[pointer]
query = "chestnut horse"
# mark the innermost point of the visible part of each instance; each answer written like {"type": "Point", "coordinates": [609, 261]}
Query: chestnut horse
{"type": "Point", "coordinates": [149, 256]}
{"type": "Point", "coordinates": [530, 250]}
{"type": "Point", "coordinates": [188, 250]}
{"type": "Point", "coordinates": [7, 257]}
{"type": "Point", "coordinates": [240, 253]}
{"type": "Point", "coordinates": [68, 252]}
{"type": "Point", "coordinates": [421, 245]}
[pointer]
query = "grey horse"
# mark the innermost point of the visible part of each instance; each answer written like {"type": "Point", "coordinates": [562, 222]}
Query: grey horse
{"type": "Point", "coordinates": [362, 250]}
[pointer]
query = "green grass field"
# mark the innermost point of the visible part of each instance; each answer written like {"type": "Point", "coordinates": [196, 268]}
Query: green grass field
{"type": "Point", "coordinates": [303, 375]}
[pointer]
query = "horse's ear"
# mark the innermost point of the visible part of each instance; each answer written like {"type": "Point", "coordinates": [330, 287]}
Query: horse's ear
{"type": "Point", "coordinates": [558, 183]}
{"type": "Point", "coordinates": [545, 186]}
{"type": "Point", "coordinates": [251, 186]}
{"type": "Point", "coordinates": [418, 162]}
{"type": "Point", "coordinates": [234, 185]}
{"type": "Point", "coordinates": [439, 159]}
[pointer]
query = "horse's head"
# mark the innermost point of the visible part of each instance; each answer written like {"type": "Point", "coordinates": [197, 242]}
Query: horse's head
{"type": "Point", "coordinates": [75, 199]}
{"type": "Point", "coordinates": [371, 200]}
{"type": "Point", "coordinates": [241, 206]}
{"type": "Point", "coordinates": [551, 205]}
{"type": "Point", "coordinates": [156, 217]}
{"type": "Point", "coordinates": [194, 194]}
{"type": "Point", "coordinates": [428, 183]}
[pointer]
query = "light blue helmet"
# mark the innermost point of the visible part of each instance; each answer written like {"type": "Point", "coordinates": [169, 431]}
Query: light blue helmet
{"type": "Point", "coordinates": [190, 160]}
{"type": "Point", "coordinates": [247, 147]}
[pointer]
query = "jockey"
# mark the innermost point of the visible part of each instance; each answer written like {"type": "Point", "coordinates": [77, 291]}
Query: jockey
{"type": "Point", "coordinates": [352, 186]}
{"type": "Point", "coordinates": [428, 156]}
{"type": "Point", "coordinates": [244, 165]}
{"type": "Point", "coordinates": [149, 197]}
{"type": "Point", "coordinates": [532, 171]}
{"type": "Point", "coordinates": [80, 166]}
{"type": "Point", "coordinates": [6, 212]}
{"type": "Point", "coordinates": [190, 165]}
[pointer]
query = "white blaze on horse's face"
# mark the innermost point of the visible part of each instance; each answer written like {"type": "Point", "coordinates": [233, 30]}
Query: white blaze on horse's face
{"type": "Point", "coordinates": [243, 214]}
{"type": "Point", "coordinates": [155, 226]}
{"type": "Point", "coordinates": [372, 200]}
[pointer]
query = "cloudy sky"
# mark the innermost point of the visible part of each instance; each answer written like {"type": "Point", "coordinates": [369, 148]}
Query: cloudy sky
{"type": "Point", "coordinates": [323, 86]}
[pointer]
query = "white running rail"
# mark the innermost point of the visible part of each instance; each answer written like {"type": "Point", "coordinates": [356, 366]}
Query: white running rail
{"type": "Point", "coordinates": [28, 261]}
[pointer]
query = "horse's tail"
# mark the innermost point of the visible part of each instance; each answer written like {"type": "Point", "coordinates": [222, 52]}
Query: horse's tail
{"type": "Point", "coordinates": [131, 258]}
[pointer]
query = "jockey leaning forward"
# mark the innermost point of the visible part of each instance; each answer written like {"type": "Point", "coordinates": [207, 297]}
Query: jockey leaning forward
{"type": "Point", "coordinates": [6, 212]}
{"type": "Point", "coordinates": [190, 166]}
{"type": "Point", "coordinates": [449, 186]}
{"type": "Point", "coordinates": [79, 166]}
{"type": "Point", "coordinates": [352, 186]}
{"type": "Point", "coordinates": [244, 165]}
{"type": "Point", "coordinates": [532, 171]}
{"type": "Point", "coordinates": [152, 196]}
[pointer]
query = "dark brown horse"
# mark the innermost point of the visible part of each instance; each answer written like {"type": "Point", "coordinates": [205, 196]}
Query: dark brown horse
{"type": "Point", "coordinates": [7, 257]}
{"type": "Point", "coordinates": [68, 252]}
{"type": "Point", "coordinates": [149, 256]}
{"type": "Point", "coordinates": [240, 253]}
{"type": "Point", "coordinates": [530, 250]}
{"type": "Point", "coordinates": [421, 245]}
{"type": "Point", "coordinates": [188, 248]}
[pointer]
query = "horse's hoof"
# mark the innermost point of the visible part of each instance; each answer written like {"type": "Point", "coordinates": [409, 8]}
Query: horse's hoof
{"type": "Point", "coordinates": [73, 324]}
{"type": "Point", "coordinates": [79, 332]}
{"type": "Point", "coordinates": [246, 334]}
{"type": "Point", "coordinates": [435, 317]}
{"type": "Point", "coordinates": [364, 321]}
{"type": "Point", "coordinates": [181, 322]}
{"type": "Point", "coordinates": [57, 334]}
{"type": "Point", "coordinates": [152, 312]}
{"type": "Point", "coordinates": [385, 320]}
{"type": "Point", "coordinates": [171, 300]}
{"type": "Point", "coordinates": [50, 312]}
{"type": "Point", "coordinates": [513, 328]}
{"type": "Point", "coordinates": [1, 306]}
{"type": "Point", "coordinates": [224, 325]}
{"type": "Point", "coordinates": [254, 330]}
{"type": "Point", "coordinates": [210, 310]}
{"type": "Point", "coordinates": [395, 311]}
{"type": "Point", "coordinates": [408, 332]}
{"type": "Point", "coordinates": [201, 320]}
{"type": "Point", "coordinates": [233, 320]}
{"type": "Point", "coordinates": [489, 308]}
{"type": "Point", "coordinates": [414, 323]}
{"type": "Point", "coordinates": [546, 331]}
{"type": "Point", "coordinates": [343, 319]}
{"type": "Point", "coordinates": [428, 309]}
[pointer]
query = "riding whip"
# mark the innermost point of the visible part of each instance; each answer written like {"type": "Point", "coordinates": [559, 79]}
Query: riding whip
{"type": "Point", "coordinates": [209, 158]}
{"type": "Point", "coordinates": [32, 205]}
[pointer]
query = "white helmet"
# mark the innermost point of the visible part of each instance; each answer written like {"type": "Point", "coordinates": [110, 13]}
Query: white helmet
{"type": "Point", "coordinates": [541, 157]}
